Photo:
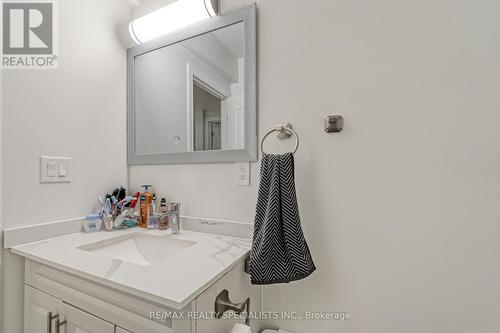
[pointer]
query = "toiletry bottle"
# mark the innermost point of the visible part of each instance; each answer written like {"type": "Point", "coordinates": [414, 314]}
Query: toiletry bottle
{"type": "Point", "coordinates": [146, 200]}
{"type": "Point", "coordinates": [163, 215]}
{"type": "Point", "coordinates": [154, 205]}
{"type": "Point", "coordinates": [152, 222]}
{"type": "Point", "coordinates": [163, 206]}
{"type": "Point", "coordinates": [136, 206]}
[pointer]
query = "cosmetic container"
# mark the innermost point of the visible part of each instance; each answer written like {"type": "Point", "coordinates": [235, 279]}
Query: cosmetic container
{"type": "Point", "coordinates": [92, 223]}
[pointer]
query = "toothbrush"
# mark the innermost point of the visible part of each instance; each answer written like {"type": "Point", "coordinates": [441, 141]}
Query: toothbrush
{"type": "Point", "coordinates": [100, 211]}
{"type": "Point", "coordinates": [125, 201]}
{"type": "Point", "coordinates": [107, 207]}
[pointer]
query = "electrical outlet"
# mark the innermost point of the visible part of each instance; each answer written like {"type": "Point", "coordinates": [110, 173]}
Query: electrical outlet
{"type": "Point", "coordinates": [242, 174]}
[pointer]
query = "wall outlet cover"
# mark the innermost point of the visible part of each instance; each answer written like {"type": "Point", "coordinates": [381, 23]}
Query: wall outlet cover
{"type": "Point", "coordinates": [242, 174]}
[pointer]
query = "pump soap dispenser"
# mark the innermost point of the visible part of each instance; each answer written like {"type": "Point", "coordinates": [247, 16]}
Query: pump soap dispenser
{"type": "Point", "coordinates": [146, 200]}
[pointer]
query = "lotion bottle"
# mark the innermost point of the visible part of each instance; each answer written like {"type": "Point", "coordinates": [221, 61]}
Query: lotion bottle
{"type": "Point", "coordinates": [146, 200]}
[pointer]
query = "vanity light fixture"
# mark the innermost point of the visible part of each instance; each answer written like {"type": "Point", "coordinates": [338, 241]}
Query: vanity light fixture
{"type": "Point", "coordinates": [177, 15]}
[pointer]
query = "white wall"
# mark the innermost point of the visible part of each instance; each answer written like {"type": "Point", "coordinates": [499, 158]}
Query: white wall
{"type": "Point", "coordinates": [1, 230]}
{"type": "Point", "coordinates": [157, 86]}
{"type": "Point", "coordinates": [401, 208]}
{"type": "Point", "coordinates": [161, 91]}
{"type": "Point", "coordinates": [210, 50]}
{"type": "Point", "coordinates": [161, 79]}
{"type": "Point", "coordinates": [147, 6]}
{"type": "Point", "coordinates": [78, 111]}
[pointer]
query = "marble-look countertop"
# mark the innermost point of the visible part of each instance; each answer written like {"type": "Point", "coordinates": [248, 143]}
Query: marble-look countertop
{"type": "Point", "coordinates": [173, 281]}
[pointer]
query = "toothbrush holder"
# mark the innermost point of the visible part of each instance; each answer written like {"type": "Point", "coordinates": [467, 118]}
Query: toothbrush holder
{"type": "Point", "coordinates": [108, 223]}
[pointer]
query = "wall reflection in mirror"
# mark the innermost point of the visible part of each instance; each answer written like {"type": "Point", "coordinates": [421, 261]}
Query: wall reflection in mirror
{"type": "Point", "coordinates": [189, 96]}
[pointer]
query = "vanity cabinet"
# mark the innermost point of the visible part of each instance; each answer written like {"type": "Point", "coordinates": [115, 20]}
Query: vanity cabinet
{"type": "Point", "coordinates": [78, 321]}
{"type": "Point", "coordinates": [85, 306]}
{"type": "Point", "coordinates": [44, 313]}
{"type": "Point", "coordinates": [37, 307]}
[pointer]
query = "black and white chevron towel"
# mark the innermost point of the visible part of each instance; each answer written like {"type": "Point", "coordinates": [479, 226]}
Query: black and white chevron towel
{"type": "Point", "coordinates": [279, 251]}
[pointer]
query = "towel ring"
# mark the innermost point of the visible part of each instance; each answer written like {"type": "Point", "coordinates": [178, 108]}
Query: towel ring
{"type": "Point", "coordinates": [285, 131]}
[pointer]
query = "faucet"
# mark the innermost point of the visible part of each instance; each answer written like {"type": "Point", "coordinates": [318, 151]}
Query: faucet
{"type": "Point", "coordinates": [174, 216]}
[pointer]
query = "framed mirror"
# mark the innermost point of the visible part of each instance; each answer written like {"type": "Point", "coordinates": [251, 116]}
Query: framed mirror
{"type": "Point", "coordinates": [191, 94]}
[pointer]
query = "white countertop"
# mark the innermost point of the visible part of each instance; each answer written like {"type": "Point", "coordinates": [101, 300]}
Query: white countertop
{"type": "Point", "coordinates": [173, 281]}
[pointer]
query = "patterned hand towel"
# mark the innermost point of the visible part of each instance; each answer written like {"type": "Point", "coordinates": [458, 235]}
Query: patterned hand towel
{"type": "Point", "coordinates": [279, 251]}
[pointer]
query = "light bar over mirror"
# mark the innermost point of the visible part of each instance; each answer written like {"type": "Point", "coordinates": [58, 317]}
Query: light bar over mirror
{"type": "Point", "coordinates": [176, 15]}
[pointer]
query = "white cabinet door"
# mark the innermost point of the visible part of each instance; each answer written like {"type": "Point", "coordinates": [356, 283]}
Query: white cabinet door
{"type": "Point", "coordinates": [78, 321]}
{"type": "Point", "coordinates": [37, 308]}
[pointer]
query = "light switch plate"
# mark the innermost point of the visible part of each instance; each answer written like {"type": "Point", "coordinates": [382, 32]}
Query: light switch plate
{"type": "Point", "coordinates": [55, 169]}
{"type": "Point", "coordinates": [51, 170]}
{"type": "Point", "coordinates": [242, 174]}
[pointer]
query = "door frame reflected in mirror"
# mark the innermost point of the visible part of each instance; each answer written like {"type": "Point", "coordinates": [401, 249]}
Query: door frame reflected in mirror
{"type": "Point", "coordinates": [213, 86]}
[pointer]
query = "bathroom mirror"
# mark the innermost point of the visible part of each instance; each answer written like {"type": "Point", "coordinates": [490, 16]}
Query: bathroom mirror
{"type": "Point", "coordinates": [192, 93]}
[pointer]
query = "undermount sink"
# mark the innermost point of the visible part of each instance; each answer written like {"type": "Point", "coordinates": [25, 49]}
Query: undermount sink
{"type": "Point", "coordinates": [138, 248]}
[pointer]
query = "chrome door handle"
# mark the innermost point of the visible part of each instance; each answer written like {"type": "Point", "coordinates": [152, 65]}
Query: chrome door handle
{"type": "Point", "coordinates": [59, 324]}
{"type": "Point", "coordinates": [50, 317]}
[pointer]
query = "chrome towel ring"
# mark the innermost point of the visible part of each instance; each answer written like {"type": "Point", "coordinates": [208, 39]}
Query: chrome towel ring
{"type": "Point", "coordinates": [284, 132]}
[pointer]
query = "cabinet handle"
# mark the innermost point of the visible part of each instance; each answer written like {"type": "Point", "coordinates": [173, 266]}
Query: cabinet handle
{"type": "Point", "coordinates": [223, 304]}
{"type": "Point", "coordinates": [50, 317]}
{"type": "Point", "coordinates": [59, 324]}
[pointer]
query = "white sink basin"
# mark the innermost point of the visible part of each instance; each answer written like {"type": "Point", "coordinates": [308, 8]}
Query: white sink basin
{"type": "Point", "coordinates": [138, 248]}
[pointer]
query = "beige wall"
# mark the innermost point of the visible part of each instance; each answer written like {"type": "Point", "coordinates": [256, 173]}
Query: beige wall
{"type": "Point", "coordinates": [401, 208]}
